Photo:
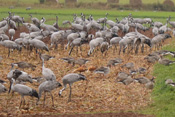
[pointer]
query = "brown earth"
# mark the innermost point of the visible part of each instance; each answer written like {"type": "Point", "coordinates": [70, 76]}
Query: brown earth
{"type": "Point", "coordinates": [99, 94]}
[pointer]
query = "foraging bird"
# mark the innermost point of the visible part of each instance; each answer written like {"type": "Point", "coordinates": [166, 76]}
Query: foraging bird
{"type": "Point", "coordinates": [69, 60]}
{"type": "Point", "coordinates": [45, 56]}
{"type": "Point", "coordinates": [25, 65]}
{"type": "Point", "coordinates": [23, 90]}
{"type": "Point", "coordinates": [164, 61]}
{"type": "Point", "coordinates": [102, 70]}
{"type": "Point", "coordinates": [126, 81]}
{"type": "Point", "coordinates": [114, 62]}
{"type": "Point", "coordinates": [144, 80]}
{"type": "Point", "coordinates": [149, 85]}
{"type": "Point", "coordinates": [129, 65]}
{"type": "Point", "coordinates": [48, 86]}
{"type": "Point", "coordinates": [70, 79]}
{"type": "Point", "coordinates": [21, 76]}
{"type": "Point", "coordinates": [169, 82]}
{"type": "Point", "coordinates": [142, 70]}
{"type": "Point", "coordinates": [81, 61]}
{"type": "Point", "coordinates": [47, 73]}
{"type": "Point", "coordinates": [122, 76]}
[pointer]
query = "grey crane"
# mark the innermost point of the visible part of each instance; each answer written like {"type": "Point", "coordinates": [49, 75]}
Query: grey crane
{"type": "Point", "coordinates": [104, 47]}
{"type": "Point", "coordinates": [45, 56]}
{"type": "Point", "coordinates": [16, 18]}
{"type": "Point", "coordinates": [10, 45]}
{"type": "Point", "coordinates": [94, 43]}
{"type": "Point", "coordinates": [56, 23]}
{"type": "Point", "coordinates": [21, 76]}
{"type": "Point", "coordinates": [23, 65]}
{"type": "Point", "coordinates": [3, 22]}
{"type": "Point", "coordinates": [115, 41]}
{"type": "Point", "coordinates": [71, 37]}
{"type": "Point", "coordinates": [171, 22]}
{"type": "Point", "coordinates": [38, 45]}
{"type": "Point", "coordinates": [47, 73]}
{"type": "Point", "coordinates": [70, 79]}
{"type": "Point", "coordinates": [35, 20]}
{"type": "Point", "coordinates": [11, 33]}
{"type": "Point", "coordinates": [48, 86]}
{"type": "Point", "coordinates": [69, 60]}
{"type": "Point", "coordinates": [46, 26]}
{"type": "Point", "coordinates": [23, 90]}
{"type": "Point", "coordinates": [5, 28]}
{"type": "Point", "coordinates": [77, 42]}
{"type": "Point", "coordinates": [12, 24]}
{"type": "Point", "coordinates": [3, 37]}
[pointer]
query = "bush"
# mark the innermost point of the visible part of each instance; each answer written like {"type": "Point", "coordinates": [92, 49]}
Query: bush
{"type": "Point", "coordinates": [41, 1]}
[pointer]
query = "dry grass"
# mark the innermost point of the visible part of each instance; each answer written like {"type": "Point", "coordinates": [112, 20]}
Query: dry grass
{"type": "Point", "coordinates": [99, 94]}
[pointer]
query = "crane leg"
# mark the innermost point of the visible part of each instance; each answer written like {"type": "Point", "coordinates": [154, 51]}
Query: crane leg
{"type": "Point", "coordinates": [21, 102]}
{"type": "Point", "coordinates": [52, 99]}
{"type": "Point", "coordinates": [9, 53]}
{"type": "Point", "coordinates": [71, 50]}
{"type": "Point", "coordinates": [70, 93]}
{"type": "Point", "coordinates": [44, 99]}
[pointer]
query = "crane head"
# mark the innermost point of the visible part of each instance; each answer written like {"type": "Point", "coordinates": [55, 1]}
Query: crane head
{"type": "Point", "coordinates": [82, 77]}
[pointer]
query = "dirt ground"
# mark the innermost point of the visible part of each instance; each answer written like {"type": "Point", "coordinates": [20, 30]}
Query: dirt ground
{"type": "Point", "coordinates": [100, 94]}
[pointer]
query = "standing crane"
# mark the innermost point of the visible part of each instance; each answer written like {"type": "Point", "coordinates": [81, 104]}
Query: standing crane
{"type": "Point", "coordinates": [70, 79]}
{"type": "Point", "coordinates": [23, 90]}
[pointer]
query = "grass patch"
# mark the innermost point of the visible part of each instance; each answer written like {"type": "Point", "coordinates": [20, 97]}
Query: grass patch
{"type": "Point", "coordinates": [67, 14]}
{"type": "Point", "coordinates": [163, 95]}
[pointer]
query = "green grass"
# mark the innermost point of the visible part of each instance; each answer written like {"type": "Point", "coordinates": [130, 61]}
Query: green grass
{"type": "Point", "coordinates": [67, 14]}
{"type": "Point", "coordinates": [163, 95]}
{"type": "Point", "coordinates": [86, 1]}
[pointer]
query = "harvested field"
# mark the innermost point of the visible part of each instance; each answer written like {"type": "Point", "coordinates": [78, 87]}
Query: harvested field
{"type": "Point", "coordinates": [98, 94]}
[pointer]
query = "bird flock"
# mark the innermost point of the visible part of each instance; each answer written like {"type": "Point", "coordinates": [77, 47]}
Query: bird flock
{"type": "Point", "coordinates": [118, 36]}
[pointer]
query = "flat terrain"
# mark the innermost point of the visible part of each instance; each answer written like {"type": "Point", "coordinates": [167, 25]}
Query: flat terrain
{"type": "Point", "coordinates": [99, 94]}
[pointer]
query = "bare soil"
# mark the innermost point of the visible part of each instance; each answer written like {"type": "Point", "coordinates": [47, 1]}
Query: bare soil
{"type": "Point", "coordinates": [99, 94]}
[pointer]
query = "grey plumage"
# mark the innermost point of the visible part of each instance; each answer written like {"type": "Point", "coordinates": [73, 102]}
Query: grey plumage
{"type": "Point", "coordinates": [70, 79]}
{"type": "Point", "coordinates": [2, 88]}
{"type": "Point", "coordinates": [45, 56]}
{"type": "Point", "coordinates": [23, 90]}
{"type": "Point", "coordinates": [47, 73]}
{"type": "Point", "coordinates": [143, 80]}
{"type": "Point", "coordinates": [102, 70]}
{"type": "Point", "coordinates": [48, 86]}
{"type": "Point", "coordinates": [25, 65]}
{"type": "Point", "coordinates": [69, 60]}
{"type": "Point", "coordinates": [81, 61]}
{"type": "Point", "coordinates": [22, 76]}
{"type": "Point", "coordinates": [129, 65]}
{"type": "Point", "coordinates": [164, 61]}
{"type": "Point", "coordinates": [114, 62]}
